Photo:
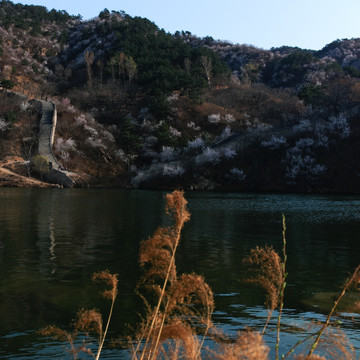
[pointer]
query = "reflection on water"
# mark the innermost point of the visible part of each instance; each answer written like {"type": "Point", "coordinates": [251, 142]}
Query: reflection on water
{"type": "Point", "coordinates": [51, 241]}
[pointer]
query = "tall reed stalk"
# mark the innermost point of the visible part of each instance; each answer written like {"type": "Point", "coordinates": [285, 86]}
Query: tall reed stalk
{"type": "Point", "coordinates": [267, 270]}
{"type": "Point", "coordinates": [182, 301]}
{"type": "Point", "coordinates": [282, 290]}
{"type": "Point", "coordinates": [349, 282]}
{"type": "Point", "coordinates": [88, 321]}
{"type": "Point", "coordinates": [112, 281]}
{"type": "Point", "coordinates": [182, 216]}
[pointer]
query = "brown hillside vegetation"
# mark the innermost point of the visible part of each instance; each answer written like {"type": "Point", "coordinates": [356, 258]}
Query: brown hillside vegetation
{"type": "Point", "coordinates": [9, 178]}
{"type": "Point", "coordinates": [141, 108]}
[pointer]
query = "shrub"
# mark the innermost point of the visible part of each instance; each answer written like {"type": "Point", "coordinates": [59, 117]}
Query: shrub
{"type": "Point", "coordinates": [168, 153]}
{"type": "Point", "coordinates": [227, 153]}
{"type": "Point", "coordinates": [339, 125]}
{"type": "Point", "coordinates": [197, 143]}
{"type": "Point", "coordinates": [303, 126]}
{"type": "Point", "coordinates": [236, 174]}
{"type": "Point", "coordinates": [229, 118]}
{"type": "Point", "coordinates": [40, 165]}
{"type": "Point", "coordinates": [4, 125]}
{"type": "Point", "coordinates": [226, 133]}
{"type": "Point", "coordinates": [214, 118]}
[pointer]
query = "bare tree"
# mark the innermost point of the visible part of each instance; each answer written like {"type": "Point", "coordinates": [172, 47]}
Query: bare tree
{"type": "Point", "coordinates": [100, 65]}
{"type": "Point", "coordinates": [207, 65]}
{"type": "Point", "coordinates": [122, 67]}
{"type": "Point", "coordinates": [187, 65]}
{"type": "Point", "coordinates": [27, 138]}
{"type": "Point", "coordinates": [68, 74]}
{"type": "Point", "coordinates": [131, 68]}
{"type": "Point", "coordinates": [40, 165]}
{"type": "Point", "coordinates": [59, 70]}
{"type": "Point", "coordinates": [89, 59]}
{"type": "Point", "coordinates": [113, 62]}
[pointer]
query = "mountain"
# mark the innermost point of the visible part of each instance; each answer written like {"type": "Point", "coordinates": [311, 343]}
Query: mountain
{"type": "Point", "coordinates": [140, 107]}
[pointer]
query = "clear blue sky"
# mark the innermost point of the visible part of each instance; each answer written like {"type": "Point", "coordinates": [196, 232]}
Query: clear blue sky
{"type": "Point", "coordinates": [308, 24]}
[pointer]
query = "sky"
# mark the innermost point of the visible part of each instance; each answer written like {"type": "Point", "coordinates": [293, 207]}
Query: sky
{"type": "Point", "coordinates": [308, 24]}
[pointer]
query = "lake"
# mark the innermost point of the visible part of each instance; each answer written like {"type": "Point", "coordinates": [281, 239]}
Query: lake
{"type": "Point", "coordinates": [53, 240]}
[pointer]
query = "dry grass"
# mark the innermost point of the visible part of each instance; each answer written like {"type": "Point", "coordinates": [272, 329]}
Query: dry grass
{"type": "Point", "coordinates": [179, 307]}
{"type": "Point", "coordinates": [335, 345]}
{"type": "Point", "coordinates": [353, 280]}
{"type": "Point", "coordinates": [248, 346]}
{"type": "Point", "coordinates": [309, 357]}
{"type": "Point", "coordinates": [268, 270]}
{"type": "Point", "coordinates": [265, 270]}
{"type": "Point", "coordinates": [87, 322]}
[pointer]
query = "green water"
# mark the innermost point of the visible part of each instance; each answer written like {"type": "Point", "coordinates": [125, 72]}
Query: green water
{"type": "Point", "coordinates": [51, 241]}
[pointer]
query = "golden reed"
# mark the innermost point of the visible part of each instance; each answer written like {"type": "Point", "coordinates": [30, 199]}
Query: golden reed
{"type": "Point", "coordinates": [179, 307]}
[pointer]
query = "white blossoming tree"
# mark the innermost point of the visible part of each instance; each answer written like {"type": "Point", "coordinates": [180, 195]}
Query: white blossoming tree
{"type": "Point", "coordinates": [275, 142]}
{"type": "Point", "coordinates": [236, 174]}
{"type": "Point", "coordinates": [173, 170]}
{"type": "Point", "coordinates": [208, 156]}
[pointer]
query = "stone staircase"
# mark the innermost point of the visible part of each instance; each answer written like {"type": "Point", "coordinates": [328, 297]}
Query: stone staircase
{"type": "Point", "coordinates": [47, 130]}
{"type": "Point", "coordinates": [46, 141]}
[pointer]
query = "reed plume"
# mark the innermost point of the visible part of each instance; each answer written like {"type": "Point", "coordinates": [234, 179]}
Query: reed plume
{"type": "Point", "coordinates": [176, 305]}
{"type": "Point", "coordinates": [62, 335]}
{"type": "Point", "coordinates": [309, 357]}
{"type": "Point", "coordinates": [354, 308]}
{"type": "Point", "coordinates": [353, 280]}
{"type": "Point", "coordinates": [248, 346]}
{"type": "Point", "coordinates": [268, 270]}
{"type": "Point", "coordinates": [334, 344]}
{"type": "Point", "coordinates": [264, 269]}
{"type": "Point", "coordinates": [87, 322]}
{"type": "Point", "coordinates": [179, 307]}
{"type": "Point", "coordinates": [112, 281]}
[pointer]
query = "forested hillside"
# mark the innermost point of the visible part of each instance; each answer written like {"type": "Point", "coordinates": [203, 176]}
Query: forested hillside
{"type": "Point", "coordinates": [140, 107]}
